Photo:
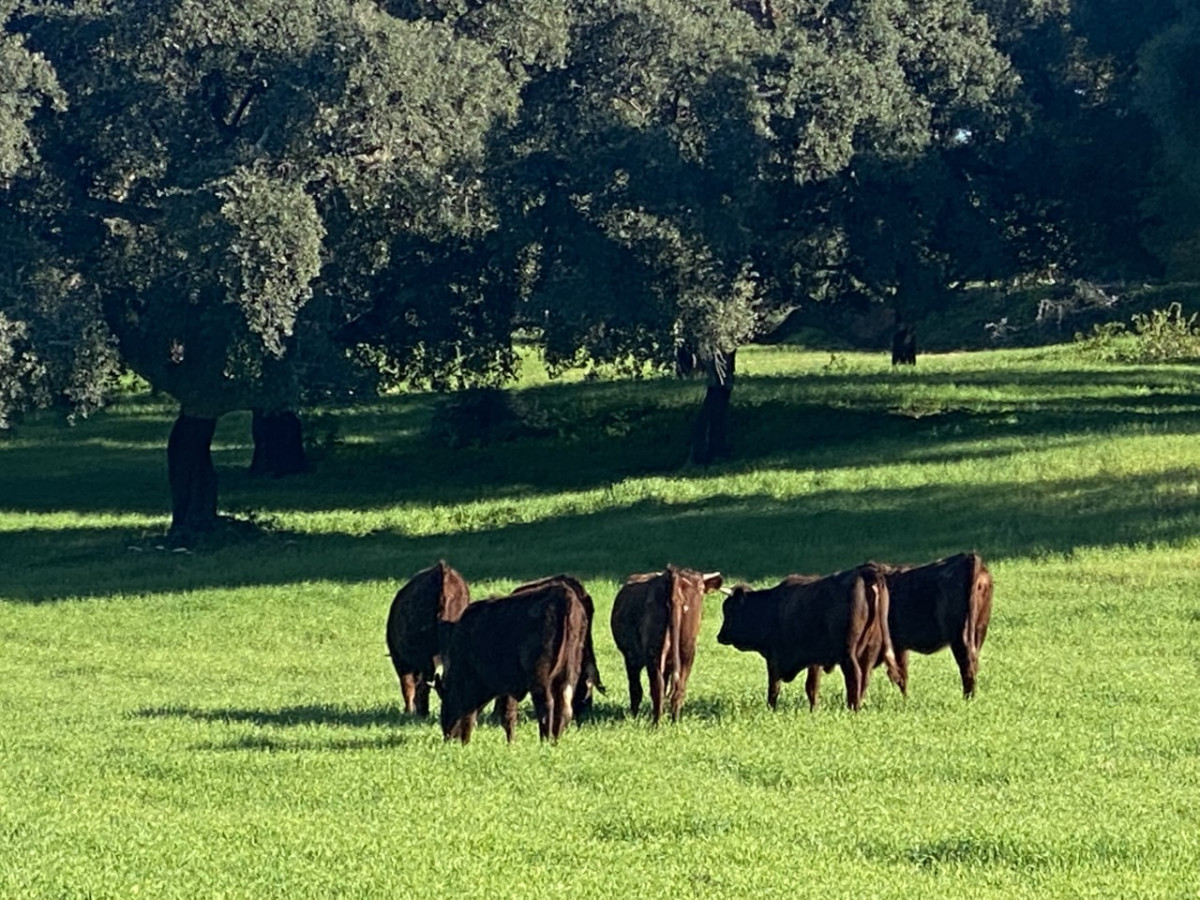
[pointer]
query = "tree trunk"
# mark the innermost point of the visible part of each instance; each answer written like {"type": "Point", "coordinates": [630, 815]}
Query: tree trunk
{"type": "Point", "coordinates": [278, 444]}
{"type": "Point", "coordinates": [710, 436]}
{"type": "Point", "coordinates": [904, 346]}
{"type": "Point", "coordinates": [192, 476]}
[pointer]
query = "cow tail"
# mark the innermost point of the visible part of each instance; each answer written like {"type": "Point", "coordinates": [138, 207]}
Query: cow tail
{"type": "Point", "coordinates": [883, 602]}
{"type": "Point", "coordinates": [676, 625]}
{"type": "Point", "coordinates": [560, 657]}
{"type": "Point", "coordinates": [440, 636]}
{"type": "Point", "coordinates": [978, 598]}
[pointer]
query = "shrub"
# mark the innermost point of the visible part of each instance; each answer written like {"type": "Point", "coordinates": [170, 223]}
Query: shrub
{"type": "Point", "coordinates": [1157, 336]}
{"type": "Point", "coordinates": [480, 416]}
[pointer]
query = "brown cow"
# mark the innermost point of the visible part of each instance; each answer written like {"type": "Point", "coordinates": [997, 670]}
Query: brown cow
{"type": "Point", "coordinates": [415, 626]}
{"type": "Point", "coordinates": [655, 620]}
{"type": "Point", "coordinates": [528, 642]}
{"type": "Point", "coordinates": [947, 602]}
{"type": "Point", "coordinates": [943, 603]}
{"type": "Point", "coordinates": [836, 620]}
{"type": "Point", "coordinates": [589, 680]}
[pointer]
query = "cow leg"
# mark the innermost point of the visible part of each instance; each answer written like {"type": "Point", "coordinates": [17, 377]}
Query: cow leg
{"type": "Point", "coordinates": [507, 706]}
{"type": "Point", "coordinates": [656, 692]}
{"type": "Point", "coordinates": [864, 676]}
{"type": "Point", "coordinates": [851, 672]}
{"type": "Point", "coordinates": [812, 686]}
{"type": "Point", "coordinates": [421, 701]}
{"type": "Point", "coordinates": [679, 690]}
{"type": "Point", "coordinates": [499, 709]}
{"type": "Point", "coordinates": [469, 725]}
{"type": "Point", "coordinates": [967, 658]}
{"type": "Point", "coordinates": [773, 682]}
{"type": "Point", "coordinates": [408, 690]}
{"type": "Point", "coordinates": [902, 672]}
{"type": "Point", "coordinates": [465, 726]}
{"type": "Point", "coordinates": [634, 672]}
{"type": "Point", "coordinates": [543, 707]}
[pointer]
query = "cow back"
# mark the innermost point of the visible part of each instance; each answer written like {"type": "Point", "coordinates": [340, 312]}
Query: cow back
{"type": "Point", "coordinates": [508, 645]}
{"type": "Point", "coordinates": [931, 603]}
{"type": "Point", "coordinates": [641, 616]}
{"type": "Point", "coordinates": [433, 596]}
{"type": "Point", "coordinates": [590, 677]}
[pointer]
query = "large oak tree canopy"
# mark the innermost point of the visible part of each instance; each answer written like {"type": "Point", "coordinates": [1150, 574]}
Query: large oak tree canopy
{"type": "Point", "coordinates": [210, 160]}
{"type": "Point", "coordinates": [259, 203]}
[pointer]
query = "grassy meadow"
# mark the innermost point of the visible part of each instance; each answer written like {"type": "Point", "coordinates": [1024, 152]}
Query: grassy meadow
{"type": "Point", "coordinates": [225, 723]}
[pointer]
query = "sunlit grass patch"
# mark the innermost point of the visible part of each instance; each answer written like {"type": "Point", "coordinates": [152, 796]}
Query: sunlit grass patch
{"type": "Point", "coordinates": [225, 722]}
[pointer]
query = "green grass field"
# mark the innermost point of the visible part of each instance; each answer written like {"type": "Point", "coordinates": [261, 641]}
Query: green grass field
{"type": "Point", "coordinates": [224, 723]}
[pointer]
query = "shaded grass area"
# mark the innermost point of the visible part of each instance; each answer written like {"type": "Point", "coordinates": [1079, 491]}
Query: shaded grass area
{"type": "Point", "coordinates": [753, 535]}
{"type": "Point", "coordinates": [1018, 453]}
{"type": "Point", "coordinates": [226, 722]}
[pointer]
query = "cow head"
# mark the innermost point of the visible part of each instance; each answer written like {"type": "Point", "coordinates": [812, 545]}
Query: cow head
{"type": "Point", "coordinates": [454, 707]}
{"type": "Point", "coordinates": [585, 692]}
{"type": "Point", "coordinates": [690, 584]}
{"type": "Point", "coordinates": [737, 621]}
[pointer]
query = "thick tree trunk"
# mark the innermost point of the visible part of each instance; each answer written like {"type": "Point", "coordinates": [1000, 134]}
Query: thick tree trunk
{"type": "Point", "coordinates": [904, 346]}
{"type": "Point", "coordinates": [686, 362]}
{"type": "Point", "coordinates": [192, 476]}
{"type": "Point", "coordinates": [278, 444]}
{"type": "Point", "coordinates": [710, 435]}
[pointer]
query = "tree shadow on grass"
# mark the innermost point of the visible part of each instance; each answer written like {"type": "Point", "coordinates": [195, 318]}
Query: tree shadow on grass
{"type": "Point", "coordinates": [323, 714]}
{"type": "Point", "coordinates": [753, 537]}
{"type": "Point", "coordinates": [263, 743]}
{"type": "Point", "coordinates": [700, 707]}
{"type": "Point", "coordinates": [607, 433]}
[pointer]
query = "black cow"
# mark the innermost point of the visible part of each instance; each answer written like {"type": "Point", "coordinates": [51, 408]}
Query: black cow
{"type": "Point", "coordinates": [528, 642]}
{"type": "Point", "coordinates": [835, 620]}
{"type": "Point", "coordinates": [415, 626]}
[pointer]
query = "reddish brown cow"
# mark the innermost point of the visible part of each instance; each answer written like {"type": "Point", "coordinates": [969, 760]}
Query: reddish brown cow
{"type": "Point", "coordinates": [835, 620]}
{"type": "Point", "coordinates": [528, 642]}
{"type": "Point", "coordinates": [655, 620]}
{"type": "Point", "coordinates": [415, 629]}
{"type": "Point", "coordinates": [943, 603]}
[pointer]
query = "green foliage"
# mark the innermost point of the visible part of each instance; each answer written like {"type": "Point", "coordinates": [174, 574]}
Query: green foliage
{"type": "Point", "coordinates": [20, 368]}
{"type": "Point", "coordinates": [213, 159]}
{"type": "Point", "coordinates": [229, 719]}
{"type": "Point", "coordinates": [1161, 335]}
{"type": "Point", "coordinates": [481, 416]}
{"type": "Point", "coordinates": [276, 245]}
{"type": "Point", "coordinates": [27, 83]}
{"type": "Point", "coordinates": [1168, 80]}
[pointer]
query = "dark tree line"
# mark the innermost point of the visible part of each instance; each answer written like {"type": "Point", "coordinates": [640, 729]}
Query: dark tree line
{"type": "Point", "coordinates": [261, 205]}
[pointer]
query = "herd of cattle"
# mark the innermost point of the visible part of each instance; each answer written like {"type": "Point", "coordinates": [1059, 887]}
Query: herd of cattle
{"type": "Point", "coordinates": [538, 639]}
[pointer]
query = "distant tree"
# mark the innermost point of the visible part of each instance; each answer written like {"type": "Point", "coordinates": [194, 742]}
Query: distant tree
{"type": "Point", "coordinates": [54, 346]}
{"type": "Point", "coordinates": [1168, 84]}
{"type": "Point", "coordinates": [1067, 186]}
{"type": "Point", "coordinates": [191, 187]}
{"type": "Point", "coordinates": [691, 172]}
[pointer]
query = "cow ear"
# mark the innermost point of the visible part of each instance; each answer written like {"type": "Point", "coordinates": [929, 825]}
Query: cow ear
{"type": "Point", "coordinates": [713, 581]}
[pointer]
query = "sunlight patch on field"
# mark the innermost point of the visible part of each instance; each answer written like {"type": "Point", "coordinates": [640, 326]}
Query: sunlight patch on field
{"type": "Point", "coordinates": [19, 520]}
